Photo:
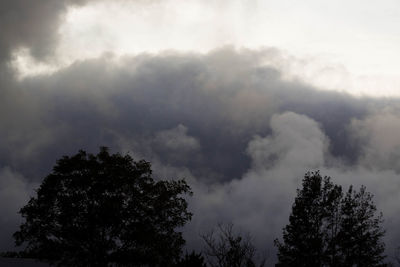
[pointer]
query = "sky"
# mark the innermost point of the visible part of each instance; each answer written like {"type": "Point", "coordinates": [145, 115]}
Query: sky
{"type": "Point", "coordinates": [241, 98]}
{"type": "Point", "coordinates": [349, 46]}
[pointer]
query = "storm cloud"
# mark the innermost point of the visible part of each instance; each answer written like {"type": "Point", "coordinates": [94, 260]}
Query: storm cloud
{"type": "Point", "coordinates": [242, 135]}
{"type": "Point", "coordinates": [229, 121]}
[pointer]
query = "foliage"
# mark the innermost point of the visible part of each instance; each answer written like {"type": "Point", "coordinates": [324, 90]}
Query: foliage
{"type": "Point", "coordinates": [10, 254]}
{"type": "Point", "coordinates": [228, 249]}
{"type": "Point", "coordinates": [191, 260]}
{"type": "Point", "coordinates": [327, 228]}
{"type": "Point", "coordinates": [97, 210]}
{"type": "Point", "coordinates": [359, 238]}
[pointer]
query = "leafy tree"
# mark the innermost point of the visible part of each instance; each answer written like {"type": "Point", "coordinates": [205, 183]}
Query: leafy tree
{"type": "Point", "coordinates": [229, 249]}
{"type": "Point", "coordinates": [97, 210]}
{"type": "Point", "coordinates": [327, 228]}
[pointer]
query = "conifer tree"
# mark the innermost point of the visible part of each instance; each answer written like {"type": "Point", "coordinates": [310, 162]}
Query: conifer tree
{"type": "Point", "coordinates": [303, 238]}
{"type": "Point", "coordinates": [332, 219]}
{"type": "Point", "coordinates": [327, 228]}
{"type": "Point", "coordinates": [360, 237]}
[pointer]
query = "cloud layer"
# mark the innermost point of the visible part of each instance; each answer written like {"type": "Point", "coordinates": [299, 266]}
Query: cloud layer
{"type": "Point", "coordinates": [236, 127]}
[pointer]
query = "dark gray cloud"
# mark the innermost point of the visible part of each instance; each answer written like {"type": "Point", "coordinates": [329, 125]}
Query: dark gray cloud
{"type": "Point", "coordinates": [241, 134]}
{"type": "Point", "coordinates": [220, 107]}
{"type": "Point", "coordinates": [31, 24]}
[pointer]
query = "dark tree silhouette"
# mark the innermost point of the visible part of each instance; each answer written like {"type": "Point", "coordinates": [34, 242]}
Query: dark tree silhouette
{"type": "Point", "coordinates": [191, 260]}
{"type": "Point", "coordinates": [327, 228]}
{"type": "Point", "coordinates": [303, 236]}
{"type": "Point", "coordinates": [229, 249]}
{"type": "Point", "coordinates": [97, 210]}
{"type": "Point", "coordinates": [332, 197]}
{"type": "Point", "coordinates": [360, 237]}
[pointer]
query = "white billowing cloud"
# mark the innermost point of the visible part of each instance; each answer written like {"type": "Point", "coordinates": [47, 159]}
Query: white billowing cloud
{"type": "Point", "coordinates": [381, 142]}
{"type": "Point", "coordinates": [297, 140]}
{"type": "Point", "coordinates": [260, 201]}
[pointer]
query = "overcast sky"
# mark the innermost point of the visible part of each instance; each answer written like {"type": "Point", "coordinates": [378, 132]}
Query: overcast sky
{"type": "Point", "coordinates": [349, 45]}
{"type": "Point", "coordinates": [240, 97]}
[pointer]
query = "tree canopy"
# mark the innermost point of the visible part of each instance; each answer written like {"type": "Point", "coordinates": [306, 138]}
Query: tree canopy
{"type": "Point", "coordinates": [329, 228]}
{"type": "Point", "coordinates": [107, 209]}
{"type": "Point", "coordinates": [94, 210]}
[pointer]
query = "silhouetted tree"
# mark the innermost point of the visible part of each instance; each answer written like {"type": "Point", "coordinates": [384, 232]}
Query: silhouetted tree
{"type": "Point", "coordinates": [328, 229]}
{"type": "Point", "coordinates": [360, 235]}
{"type": "Point", "coordinates": [332, 197]}
{"type": "Point", "coordinates": [192, 260]}
{"type": "Point", "coordinates": [93, 210]}
{"type": "Point", "coordinates": [229, 249]}
{"type": "Point", "coordinates": [304, 237]}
